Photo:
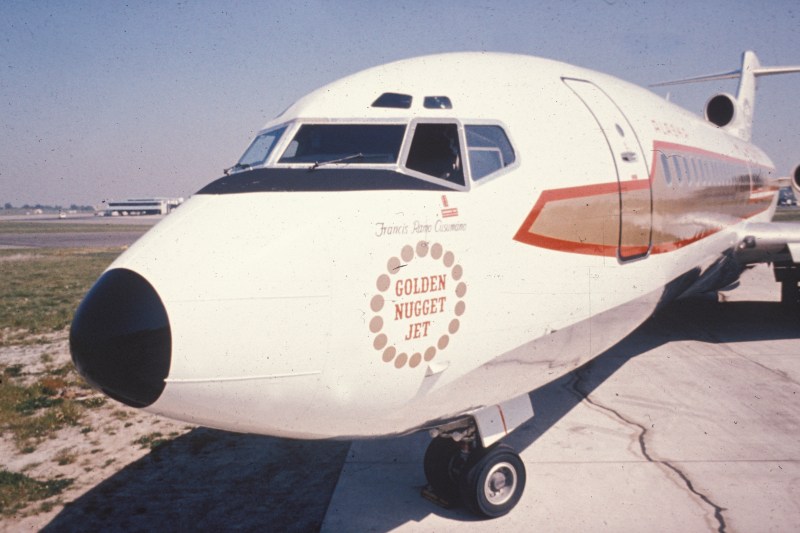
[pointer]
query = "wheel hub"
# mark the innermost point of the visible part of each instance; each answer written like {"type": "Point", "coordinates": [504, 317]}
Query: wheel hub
{"type": "Point", "coordinates": [500, 483]}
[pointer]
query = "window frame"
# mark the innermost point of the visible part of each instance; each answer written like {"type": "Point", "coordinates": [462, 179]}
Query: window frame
{"type": "Point", "coordinates": [412, 128]}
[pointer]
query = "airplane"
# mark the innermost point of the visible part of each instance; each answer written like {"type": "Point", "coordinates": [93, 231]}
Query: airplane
{"type": "Point", "coordinates": [419, 245]}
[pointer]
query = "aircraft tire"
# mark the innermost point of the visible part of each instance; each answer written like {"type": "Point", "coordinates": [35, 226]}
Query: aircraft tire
{"type": "Point", "coordinates": [441, 459]}
{"type": "Point", "coordinates": [492, 481]}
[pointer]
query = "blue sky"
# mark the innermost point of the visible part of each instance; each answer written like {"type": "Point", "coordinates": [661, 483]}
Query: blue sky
{"type": "Point", "coordinates": [108, 100]}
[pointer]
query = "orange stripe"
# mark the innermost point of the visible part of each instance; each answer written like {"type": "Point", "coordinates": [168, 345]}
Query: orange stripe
{"type": "Point", "coordinates": [523, 234]}
{"type": "Point", "coordinates": [503, 419]}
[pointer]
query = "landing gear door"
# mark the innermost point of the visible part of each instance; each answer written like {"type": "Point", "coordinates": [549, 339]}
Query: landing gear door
{"type": "Point", "coordinates": [635, 194]}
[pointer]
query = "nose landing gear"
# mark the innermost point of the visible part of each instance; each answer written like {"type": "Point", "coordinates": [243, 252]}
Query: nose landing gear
{"type": "Point", "coordinates": [492, 481]}
{"type": "Point", "coordinates": [487, 481]}
{"type": "Point", "coordinates": [465, 462]}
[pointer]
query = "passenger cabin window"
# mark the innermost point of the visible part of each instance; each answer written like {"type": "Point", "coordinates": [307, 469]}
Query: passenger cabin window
{"type": "Point", "coordinates": [489, 150]}
{"type": "Point", "coordinates": [259, 150]}
{"type": "Point", "coordinates": [678, 169]}
{"type": "Point", "coordinates": [686, 171]}
{"type": "Point", "coordinates": [665, 168]}
{"type": "Point", "coordinates": [345, 143]}
{"type": "Point", "coordinates": [435, 151]}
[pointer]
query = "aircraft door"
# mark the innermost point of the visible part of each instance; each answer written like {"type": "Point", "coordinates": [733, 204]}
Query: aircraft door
{"type": "Point", "coordinates": [633, 179]}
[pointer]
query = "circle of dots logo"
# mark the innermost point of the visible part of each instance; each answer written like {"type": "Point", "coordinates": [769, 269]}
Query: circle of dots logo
{"type": "Point", "coordinates": [382, 342]}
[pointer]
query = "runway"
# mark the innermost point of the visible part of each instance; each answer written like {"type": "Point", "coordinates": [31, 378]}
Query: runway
{"type": "Point", "coordinates": [690, 424]}
{"type": "Point", "coordinates": [75, 231]}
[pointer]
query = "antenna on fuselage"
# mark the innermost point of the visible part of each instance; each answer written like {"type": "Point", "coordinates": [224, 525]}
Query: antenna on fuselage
{"type": "Point", "coordinates": [735, 114]}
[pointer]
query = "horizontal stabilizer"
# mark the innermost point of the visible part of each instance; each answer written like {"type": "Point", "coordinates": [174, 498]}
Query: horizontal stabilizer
{"type": "Point", "coordinates": [732, 75]}
{"type": "Point", "coordinates": [738, 119]}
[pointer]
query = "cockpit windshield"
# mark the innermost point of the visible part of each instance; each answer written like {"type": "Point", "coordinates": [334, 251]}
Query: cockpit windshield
{"type": "Point", "coordinates": [259, 150]}
{"type": "Point", "coordinates": [423, 153]}
{"type": "Point", "coordinates": [353, 144]}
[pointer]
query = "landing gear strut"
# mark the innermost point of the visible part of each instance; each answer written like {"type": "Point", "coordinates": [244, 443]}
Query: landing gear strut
{"type": "Point", "coordinates": [790, 293]}
{"type": "Point", "coordinates": [487, 481]}
{"type": "Point", "coordinates": [788, 274]}
{"type": "Point", "coordinates": [443, 462]}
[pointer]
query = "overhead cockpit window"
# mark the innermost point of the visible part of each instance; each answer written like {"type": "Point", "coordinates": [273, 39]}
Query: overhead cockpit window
{"type": "Point", "coordinates": [489, 150]}
{"type": "Point", "coordinates": [435, 151]}
{"type": "Point", "coordinates": [393, 100]}
{"type": "Point", "coordinates": [437, 102]}
{"type": "Point", "coordinates": [354, 144]}
{"type": "Point", "coordinates": [259, 150]}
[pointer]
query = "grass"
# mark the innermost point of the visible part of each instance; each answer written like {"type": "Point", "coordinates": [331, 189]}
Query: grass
{"type": "Point", "coordinates": [42, 288]}
{"type": "Point", "coordinates": [65, 457]}
{"type": "Point", "coordinates": [17, 490]}
{"type": "Point", "coordinates": [34, 412]}
{"type": "Point", "coordinates": [151, 440]}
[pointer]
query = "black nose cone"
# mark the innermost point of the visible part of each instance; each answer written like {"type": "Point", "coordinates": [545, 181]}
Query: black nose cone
{"type": "Point", "coordinates": [120, 338]}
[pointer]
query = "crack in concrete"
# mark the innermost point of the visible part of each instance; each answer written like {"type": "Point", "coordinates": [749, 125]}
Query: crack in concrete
{"type": "Point", "coordinates": [718, 510]}
{"type": "Point", "coordinates": [780, 373]}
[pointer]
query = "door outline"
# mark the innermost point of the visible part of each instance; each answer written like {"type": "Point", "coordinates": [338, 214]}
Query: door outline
{"type": "Point", "coordinates": [623, 153]}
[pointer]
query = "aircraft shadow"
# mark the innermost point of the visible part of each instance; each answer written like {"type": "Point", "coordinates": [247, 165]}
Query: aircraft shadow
{"type": "Point", "coordinates": [211, 480]}
{"type": "Point", "coordinates": [695, 319]}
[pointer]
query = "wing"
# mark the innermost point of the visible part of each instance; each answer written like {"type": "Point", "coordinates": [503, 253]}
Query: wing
{"type": "Point", "coordinates": [769, 242]}
{"type": "Point", "coordinates": [777, 243]}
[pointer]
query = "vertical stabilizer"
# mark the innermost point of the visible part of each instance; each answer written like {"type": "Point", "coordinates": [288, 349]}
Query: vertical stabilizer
{"type": "Point", "coordinates": [742, 123]}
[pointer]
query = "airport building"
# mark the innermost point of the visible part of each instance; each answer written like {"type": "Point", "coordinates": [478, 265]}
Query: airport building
{"type": "Point", "coordinates": [141, 206]}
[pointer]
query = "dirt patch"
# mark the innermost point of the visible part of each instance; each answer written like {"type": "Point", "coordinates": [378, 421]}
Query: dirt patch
{"type": "Point", "coordinates": [15, 257]}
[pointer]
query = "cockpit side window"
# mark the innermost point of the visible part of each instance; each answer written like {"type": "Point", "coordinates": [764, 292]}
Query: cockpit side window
{"type": "Point", "coordinates": [435, 151]}
{"type": "Point", "coordinates": [259, 150]}
{"type": "Point", "coordinates": [489, 150]}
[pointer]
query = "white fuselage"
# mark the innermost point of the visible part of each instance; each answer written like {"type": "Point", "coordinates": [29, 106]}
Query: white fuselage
{"type": "Point", "coordinates": [343, 313]}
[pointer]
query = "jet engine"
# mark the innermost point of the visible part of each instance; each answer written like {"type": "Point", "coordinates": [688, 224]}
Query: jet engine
{"type": "Point", "coordinates": [721, 109]}
{"type": "Point", "coordinates": [796, 181]}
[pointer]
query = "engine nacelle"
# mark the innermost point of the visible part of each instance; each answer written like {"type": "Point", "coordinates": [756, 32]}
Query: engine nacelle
{"type": "Point", "coordinates": [796, 181]}
{"type": "Point", "coordinates": [721, 109]}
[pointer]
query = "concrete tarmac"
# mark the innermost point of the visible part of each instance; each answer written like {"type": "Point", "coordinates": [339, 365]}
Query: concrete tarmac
{"type": "Point", "coordinates": [692, 423]}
